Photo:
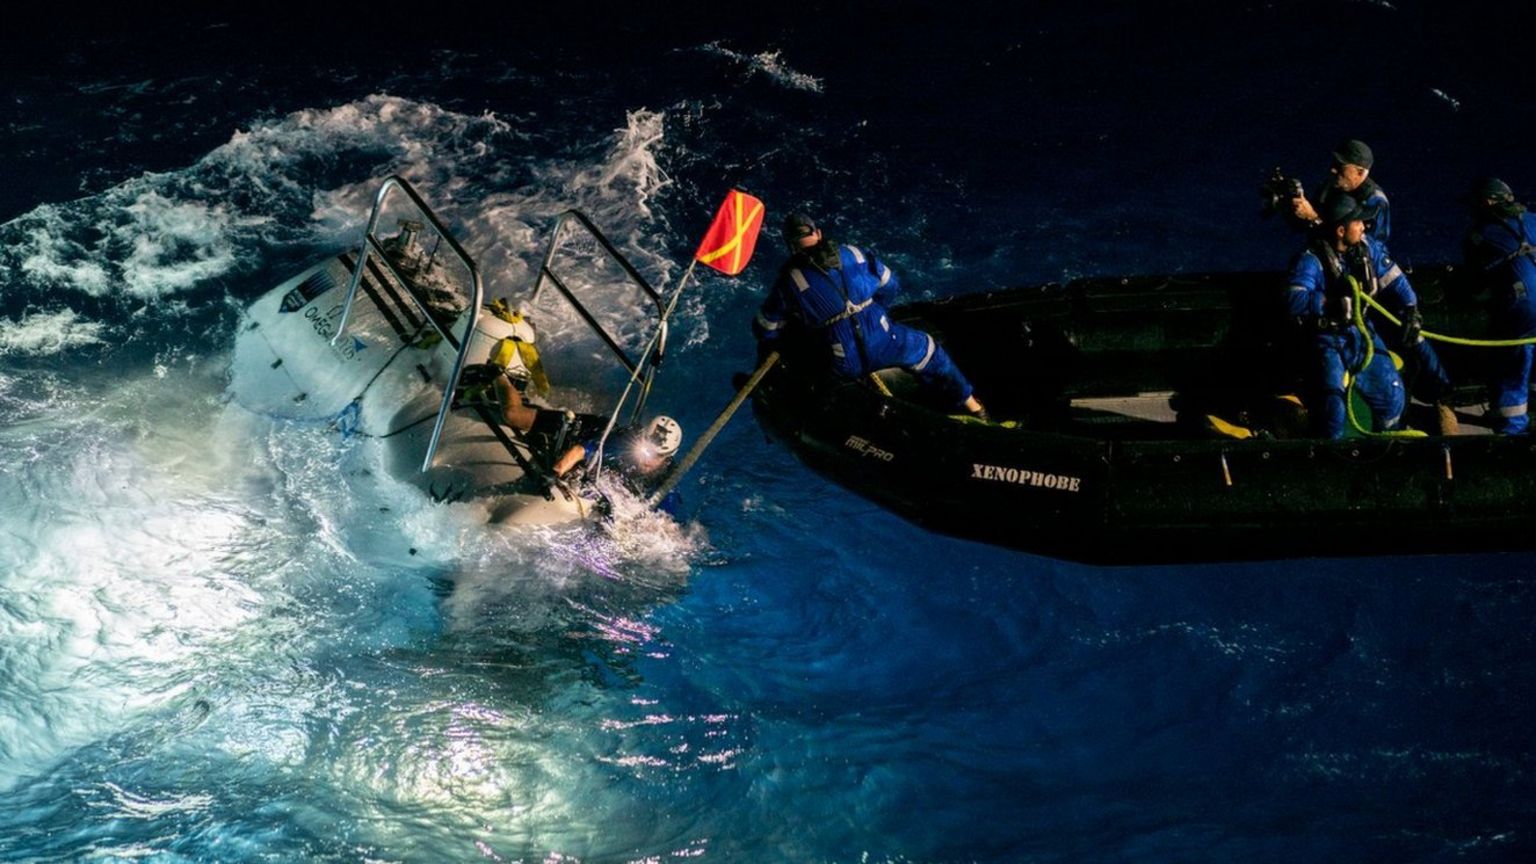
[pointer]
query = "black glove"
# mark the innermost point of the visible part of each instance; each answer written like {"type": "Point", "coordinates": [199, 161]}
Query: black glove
{"type": "Point", "coordinates": [478, 374]}
{"type": "Point", "coordinates": [1413, 326]}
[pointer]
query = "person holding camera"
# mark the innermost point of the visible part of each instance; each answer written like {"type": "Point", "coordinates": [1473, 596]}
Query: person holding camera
{"type": "Point", "coordinates": [1500, 251]}
{"type": "Point", "coordinates": [1351, 169]}
{"type": "Point", "coordinates": [1321, 297]}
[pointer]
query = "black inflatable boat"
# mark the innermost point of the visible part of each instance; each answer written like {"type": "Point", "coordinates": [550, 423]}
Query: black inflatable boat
{"type": "Point", "coordinates": [1152, 420]}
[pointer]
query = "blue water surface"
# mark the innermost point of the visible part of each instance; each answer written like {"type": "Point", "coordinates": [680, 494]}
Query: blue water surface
{"type": "Point", "coordinates": [232, 637]}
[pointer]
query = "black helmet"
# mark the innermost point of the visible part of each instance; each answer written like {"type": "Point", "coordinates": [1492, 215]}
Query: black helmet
{"type": "Point", "coordinates": [1492, 190]}
{"type": "Point", "coordinates": [1341, 209]}
{"type": "Point", "coordinates": [796, 226]}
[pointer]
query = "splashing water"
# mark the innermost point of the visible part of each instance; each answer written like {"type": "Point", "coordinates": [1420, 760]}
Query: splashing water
{"type": "Point", "coordinates": [231, 637]}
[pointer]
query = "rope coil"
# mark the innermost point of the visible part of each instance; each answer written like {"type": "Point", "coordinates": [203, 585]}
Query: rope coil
{"type": "Point", "coordinates": [1370, 354]}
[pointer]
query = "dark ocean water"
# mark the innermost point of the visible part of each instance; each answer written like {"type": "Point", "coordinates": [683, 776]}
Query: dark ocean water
{"type": "Point", "coordinates": [227, 637]}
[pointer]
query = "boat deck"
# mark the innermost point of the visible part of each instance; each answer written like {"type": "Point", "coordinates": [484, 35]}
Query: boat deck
{"type": "Point", "coordinates": [1149, 411]}
{"type": "Point", "coordinates": [1152, 415]}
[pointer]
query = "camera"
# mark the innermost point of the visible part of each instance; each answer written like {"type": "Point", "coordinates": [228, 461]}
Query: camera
{"type": "Point", "coordinates": [1278, 190]}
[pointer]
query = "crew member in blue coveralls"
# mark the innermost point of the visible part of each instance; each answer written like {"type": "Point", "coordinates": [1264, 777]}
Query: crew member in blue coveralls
{"type": "Point", "coordinates": [1500, 253]}
{"type": "Point", "coordinates": [837, 294]}
{"type": "Point", "coordinates": [1426, 376]}
{"type": "Point", "coordinates": [1320, 297]}
{"type": "Point", "coordinates": [1351, 170]}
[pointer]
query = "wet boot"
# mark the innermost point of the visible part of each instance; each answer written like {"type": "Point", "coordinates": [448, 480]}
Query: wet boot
{"type": "Point", "coordinates": [975, 409]}
{"type": "Point", "coordinates": [1448, 422]}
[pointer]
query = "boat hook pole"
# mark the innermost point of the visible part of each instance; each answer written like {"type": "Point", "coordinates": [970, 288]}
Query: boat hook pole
{"type": "Point", "coordinates": [682, 467]}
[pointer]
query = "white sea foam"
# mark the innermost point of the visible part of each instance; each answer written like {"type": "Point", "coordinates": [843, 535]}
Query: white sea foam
{"type": "Point", "coordinates": [528, 576]}
{"type": "Point", "coordinates": [174, 244]}
{"type": "Point", "coordinates": [768, 63]}
{"type": "Point", "coordinates": [309, 178]}
{"type": "Point", "coordinates": [144, 240]}
{"type": "Point", "coordinates": [147, 575]}
{"type": "Point", "coordinates": [1455, 104]}
{"type": "Point", "coordinates": [45, 333]}
{"type": "Point", "coordinates": [162, 234]}
{"type": "Point", "coordinates": [614, 187]}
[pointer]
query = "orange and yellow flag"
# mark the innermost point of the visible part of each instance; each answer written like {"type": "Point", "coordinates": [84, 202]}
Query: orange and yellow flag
{"type": "Point", "coordinates": [732, 236]}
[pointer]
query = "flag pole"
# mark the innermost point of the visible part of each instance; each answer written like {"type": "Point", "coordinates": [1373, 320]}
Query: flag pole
{"type": "Point", "coordinates": [645, 357]}
{"type": "Point", "coordinates": [732, 232]}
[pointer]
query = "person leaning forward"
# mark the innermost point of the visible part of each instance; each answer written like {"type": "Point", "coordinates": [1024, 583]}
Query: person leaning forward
{"type": "Point", "coordinates": [642, 457]}
{"type": "Point", "coordinates": [1500, 251]}
{"type": "Point", "coordinates": [836, 294]}
{"type": "Point", "coordinates": [490, 386]}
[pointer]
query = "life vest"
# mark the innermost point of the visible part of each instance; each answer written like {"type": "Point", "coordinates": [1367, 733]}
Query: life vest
{"type": "Point", "coordinates": [509, 342]}
{"type": "Point", "coordinates": [1337, 269]}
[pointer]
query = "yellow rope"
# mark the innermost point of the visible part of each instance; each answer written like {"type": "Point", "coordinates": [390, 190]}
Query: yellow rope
{"type": "Point", "coordinates": [1440, 337]}
{"type": "Point", "coordinates": [1370, 354]}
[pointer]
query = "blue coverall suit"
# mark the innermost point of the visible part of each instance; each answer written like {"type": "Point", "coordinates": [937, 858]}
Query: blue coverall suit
{"type": "Point", "coordinates": [1339, 344]}
{"type": "Point", "coordinates": [1502, 254]}
{"type": "Point", "coordinates": [1426, 375]}
{"type": "Point", "coordinates": [843, 308]}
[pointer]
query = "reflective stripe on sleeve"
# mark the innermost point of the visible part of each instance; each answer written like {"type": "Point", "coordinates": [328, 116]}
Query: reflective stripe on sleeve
{"type": "Point", "coordinates": [1392, 275]}
{"type": "Point", "coordinates": [918, 366]}
{"type": "Point", "coordinates": [767, 324]}
{"type": "Point", "coordinates": [1512, 410]}
{"type": "Point", "coordinates": [857, 255]}
{"type": "Point", "coordinates": [799, 279]}
{"type": "Point", "coordinates": [885, 275]}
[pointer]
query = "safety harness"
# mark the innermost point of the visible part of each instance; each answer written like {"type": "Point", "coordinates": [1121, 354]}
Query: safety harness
{"type": "Point", "coordinates": [1525, 247]}
{"type": "Point", "coordinates": [850, 308]}
{"type": "Point", "coordinates": [510, 346]}
{"type": "Point", "coordinates": [1339, 269]}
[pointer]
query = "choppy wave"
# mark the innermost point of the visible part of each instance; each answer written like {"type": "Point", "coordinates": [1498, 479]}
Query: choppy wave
{"type": "Point", "coordinates": [769, 64]}
{"type": "Point", "coordinates": [167, 233]}
{"type": "Point", "coordinates": [191, 239]}
{"type": "Point", "coordinates": [44, 333]}
{"type": "Point", "coordinates": [199, 558]}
